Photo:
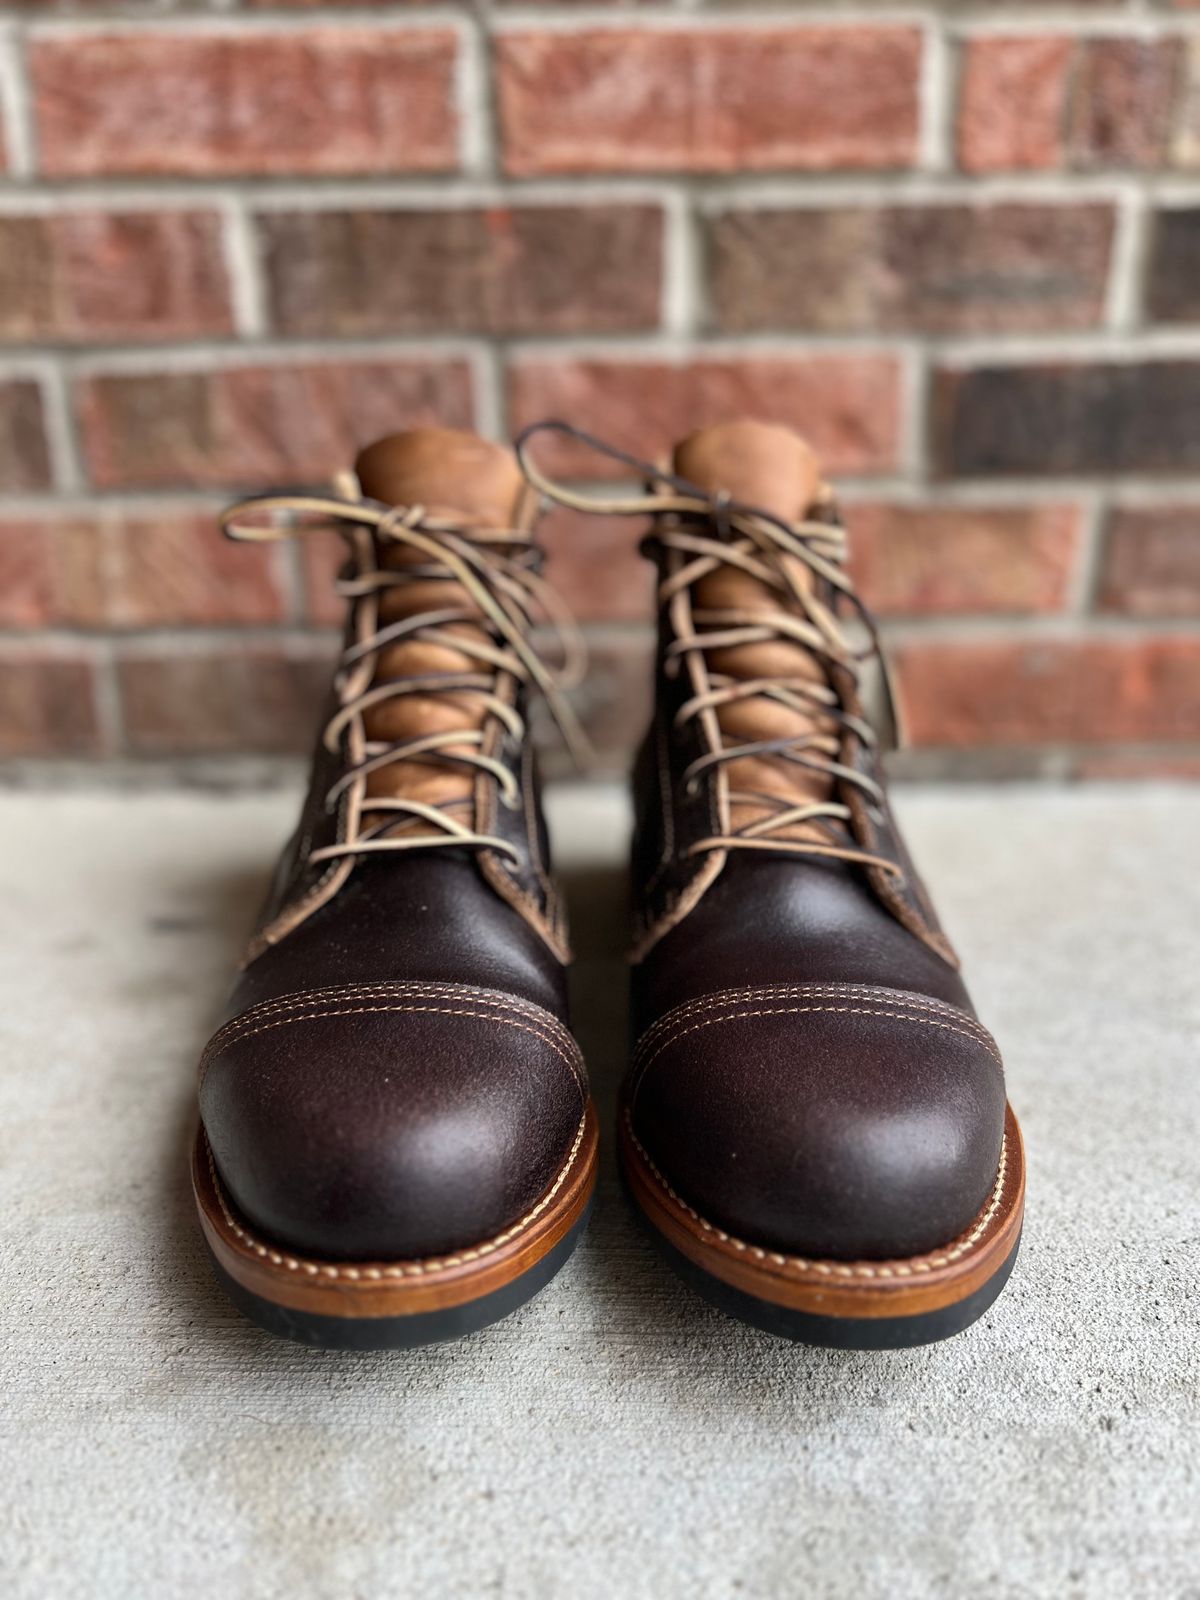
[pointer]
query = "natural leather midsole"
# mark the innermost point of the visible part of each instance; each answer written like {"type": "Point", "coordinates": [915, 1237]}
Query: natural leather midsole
{"type": "Point", "coordinates": [391, 1289]}
{"type": "Point", "coordinates": [898, 1288]}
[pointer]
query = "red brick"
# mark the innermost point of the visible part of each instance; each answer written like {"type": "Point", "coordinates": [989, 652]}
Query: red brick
{"type": "Point", "coordinates": [47, 705]}
{"type": "Point", "coordinates": [302, 5]}
{"type": "Point", "coordinates": [709, 99]}
{"type": "Point", "coordinates": [264, 698]}
{"type": "Point", "coordinates": [932, 560]}
{"type": "Point", "coordinates": [1049, 101]}
{"type": "Point", "coordinates": [24, 453]}
{"type": "Point", "coordinates": [27, 574]}
{"type": "Point", "coordinates": [322, 556]}
{"type": "Point", "coordinates": [97, 275]}
{"type": "Point", "coordinates": [136, 569]}
{"type": "Point", "coordinates": [613, 702]}
{"type": "Point", "coordinates": [930, 268]}
{"type": "Point", "coordinates": [1122, 102]}
{"type": "Point", "coordinates": [526, 269]}
{"type": "Point", "coordinates": [847, 405]}
{"type": "Point", "coordinates": [1152, 562]}
{"type": "Point", "coordinates": [595, 564]}
{"type": "Point", "coordinates": [1048, 691]}
{"type": "Point", "coordinates": [316, 100]}
{"type": "Point", "coordinates": [278, 424]}
{"type": "Point", "coordinates": [1012, 103]}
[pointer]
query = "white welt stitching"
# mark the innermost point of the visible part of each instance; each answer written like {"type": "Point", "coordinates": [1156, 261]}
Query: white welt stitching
{"type": "Point", "coordinates": [907, 1268]}
{"type": "Point", "coordinates": [403, 1269]}
{"type": "Point", "coordinates": [445, 1011]}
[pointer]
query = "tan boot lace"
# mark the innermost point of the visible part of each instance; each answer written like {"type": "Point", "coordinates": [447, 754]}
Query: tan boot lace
{"type": "Point", "coordinates": [497, 569]}
{"type": "Point", "coordinates": [705, 532]}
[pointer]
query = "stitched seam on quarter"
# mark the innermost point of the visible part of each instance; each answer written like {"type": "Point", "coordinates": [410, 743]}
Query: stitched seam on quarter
{"type": "Point", "coordinates": [406, 1269]}
{"type": "Point", "coordinates": [338, 994]}
{"type": "Point", "coordinates": [663, 762]}
{"type": "Point", "coordinates": [906, 1267]}
{"type": "Point", "coordinates": [869, 992]}
{"type": "Point", "coordinates": [788, 1011]}
{"type": "Point", "coordinates": [532, 831]}
{"type": "Point", "coordinates": [443, 1011]}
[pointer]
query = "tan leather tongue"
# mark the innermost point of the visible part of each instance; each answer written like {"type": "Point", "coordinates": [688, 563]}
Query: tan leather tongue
{"type": "Point", "coordinates": [443, 469]}
{"type": "Point", "coordinates": [756, 462]}
{"type": "Point", "coordinates": [452, 475]}
{"type": "Point", "coordinates": [770, 467]}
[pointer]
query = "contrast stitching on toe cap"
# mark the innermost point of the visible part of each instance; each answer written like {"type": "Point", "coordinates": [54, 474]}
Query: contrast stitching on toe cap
{"type": "Point", "coordinates": [903, 1267]}
{"type": "Point", "coordinates": [337, 994]}
{"type": "Point", "coordinates": [741, 1013]}
{"type": "Point", "coordinates": [876, 993]}
{"type": "Point", "coordinates": [222, 1042]}
{"type": "Point", "coordinates": [403, 1269]}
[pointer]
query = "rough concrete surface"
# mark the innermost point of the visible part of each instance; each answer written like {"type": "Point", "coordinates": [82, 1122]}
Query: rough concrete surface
{"type": "Point", "coordinates": [616, 1438]}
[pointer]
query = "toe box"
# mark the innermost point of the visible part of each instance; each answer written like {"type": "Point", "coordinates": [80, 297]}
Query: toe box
{"type": "Point", "coordinates": [839, 1121]}
{"type": "Point", "coordinates": [390, 1122]}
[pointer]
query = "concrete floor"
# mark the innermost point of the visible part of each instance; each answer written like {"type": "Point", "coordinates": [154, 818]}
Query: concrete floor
{"type": "Point", "coordinates": [616, 1438]}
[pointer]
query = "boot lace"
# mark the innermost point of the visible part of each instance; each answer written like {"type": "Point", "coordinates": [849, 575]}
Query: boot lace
{"type": "Point", "coordinates": [498, 572]}
{"type": "Point", "coordinates": [699, 532]}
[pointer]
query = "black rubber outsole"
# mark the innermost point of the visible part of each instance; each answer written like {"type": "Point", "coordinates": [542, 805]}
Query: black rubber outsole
{"type": "Point", "coordinates": [401, 1333]}
{"type": "Point", "coordinates": [833, 1333]}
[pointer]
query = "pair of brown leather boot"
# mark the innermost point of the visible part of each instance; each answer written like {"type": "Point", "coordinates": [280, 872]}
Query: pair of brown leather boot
{"type": "Point", "coordinates": [397, 1142]}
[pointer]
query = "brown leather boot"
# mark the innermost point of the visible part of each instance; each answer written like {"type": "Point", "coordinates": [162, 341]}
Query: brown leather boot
{"type": "Point", "coordinates": [814, 1123]}
{"type": "Point", "coordinates": [396, 1142]}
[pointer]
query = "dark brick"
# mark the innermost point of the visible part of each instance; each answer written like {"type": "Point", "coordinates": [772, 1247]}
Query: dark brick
{"type": "Point", "coordinates": [1122, 102]}
{"type": "Point", "coordinates": [265, 698]}
{"type": "Point", "coordinates": [1152, 563]}
{"type": "Point", "coordinates": [935, 269]}
{"type": "Point", "coordinates": [1173, 286]}
{"type": "Point", "coordinates": [24, 454]}
{"type": "Point", "coordinates": [533, 269]}
{"type": "Point", "coordinates": [47, 705]}
{"type": "Point", "coordinates": [1105, 418]}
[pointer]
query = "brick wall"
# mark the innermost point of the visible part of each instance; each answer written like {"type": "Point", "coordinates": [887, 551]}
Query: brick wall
{"type": "Point", "coordinates": [957, 244]}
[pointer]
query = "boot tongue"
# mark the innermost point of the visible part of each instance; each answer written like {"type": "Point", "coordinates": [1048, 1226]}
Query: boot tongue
{"type": "Point", "coordinates": [444, 470]}
{"type": "Point", "coordinates": [756, 462]}
{"type": "Point", "coordinates": [773, 469]}
{"type": "Point", "coordinates": [455, 476]}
